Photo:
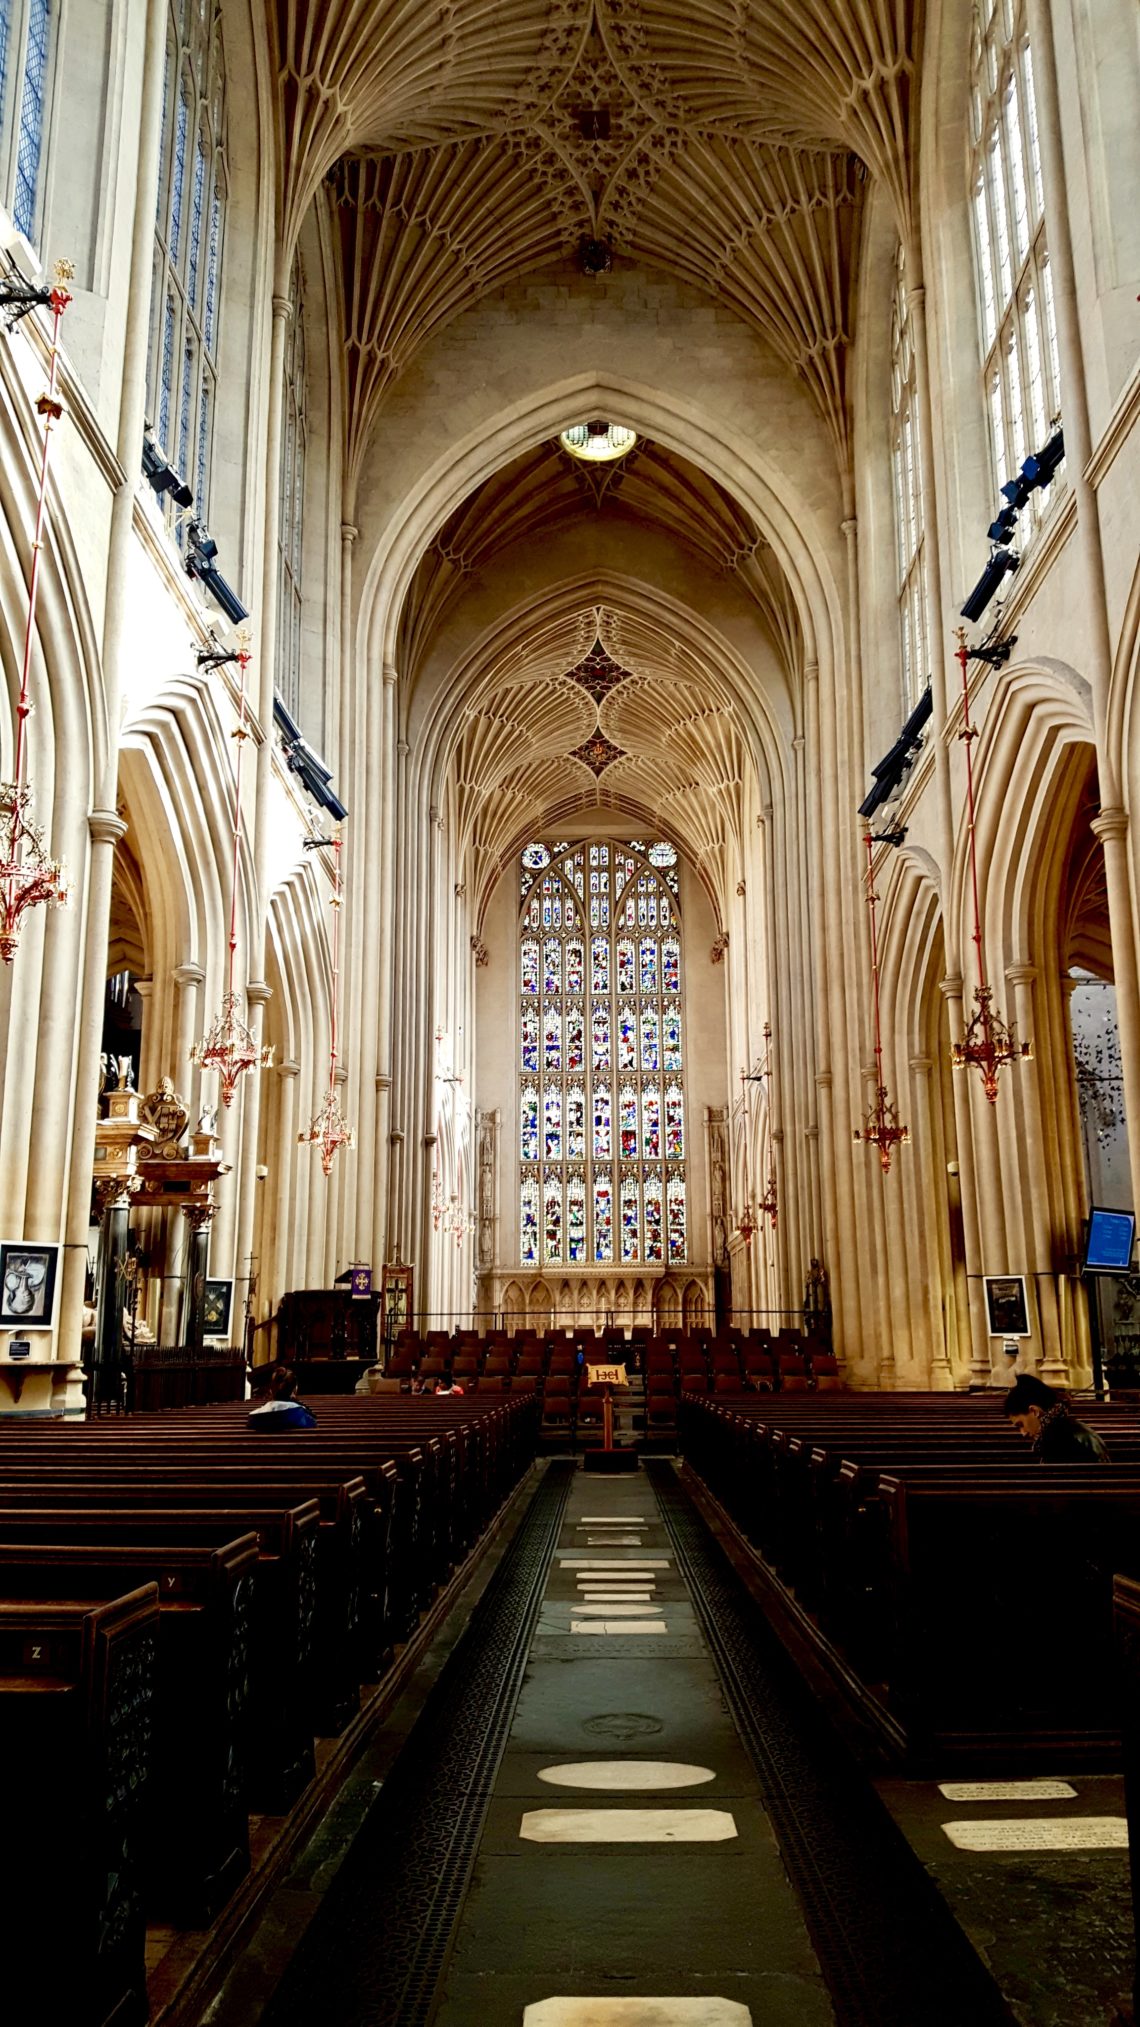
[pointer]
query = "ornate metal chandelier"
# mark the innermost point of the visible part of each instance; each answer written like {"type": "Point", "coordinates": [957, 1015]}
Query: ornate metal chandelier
{"type": "Point", "coordinates": [769, 1206]}
{"type": "Point", "coordinates": [228, 1045]}
{"type": "Point", "coordinates": [329, 1130]}
{"type": "Point", "coordinates": [29, 876]}
{"type": "Point", "coordinates": [989, 1042]}
{"type": "Point", "coordinates": [882, 1129]}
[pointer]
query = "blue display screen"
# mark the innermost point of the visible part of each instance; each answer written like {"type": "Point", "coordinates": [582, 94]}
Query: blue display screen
{"type": "Point", "coordinates": [1110, 1241]}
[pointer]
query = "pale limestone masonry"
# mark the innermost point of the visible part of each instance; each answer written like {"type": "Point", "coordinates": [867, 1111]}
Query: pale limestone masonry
{"type": "Point", "coordinates": [454, 565]}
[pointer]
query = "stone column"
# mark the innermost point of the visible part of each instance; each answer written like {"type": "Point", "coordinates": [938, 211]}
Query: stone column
{"type": "Point", "coordinates": [276, 1271]}
{"type": "Point", "coordinates": [106, 829]}
{"type": "Point", "coordinates": [258, 995]}
{"type": "Point", "coordinates": [1112, 825]}
{"type": "Point", "coordinates": [105, 825]}
{"type": "Point", "coordinates": [928, 1197]}
{"type": "Point", "coordinates": [1022, 978]}
{"type": "Point", "coordinates": [198, 1218]}
{"type": "Point", "coordinates": [115, 1204]}
{"type": "Point", "coordinates": [951, 990]}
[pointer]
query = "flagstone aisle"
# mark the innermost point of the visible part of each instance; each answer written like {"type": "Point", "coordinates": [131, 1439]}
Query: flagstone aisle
{"type": "Point", "coordinates": [627, 1875]}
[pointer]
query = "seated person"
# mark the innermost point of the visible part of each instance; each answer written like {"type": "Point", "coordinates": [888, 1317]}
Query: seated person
{"type": "Point", "coordinates": [1043, 1416]}
{"type": "Point", "coordinates": [280, 1408]}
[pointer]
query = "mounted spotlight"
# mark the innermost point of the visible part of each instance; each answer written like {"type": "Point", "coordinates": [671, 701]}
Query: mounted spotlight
{"type": "Point", "coordinates": [1041, 468]}
{"type": "Point", "coordinates": [200, 565]}
{"type": "Point", "coordinates": [161, 476]}
{"type": "Point", "coordinates": [1001, 530]}
{"type": "Point", "coordinates": [1001, 564]}
{"type": "Point", "coordinates": [889, 772]}
{"type": "Point", "coordinates": [302, 761]}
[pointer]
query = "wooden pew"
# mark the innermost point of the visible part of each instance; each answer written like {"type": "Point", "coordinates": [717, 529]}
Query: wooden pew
{"type": "Point", "coordinates": [903, 1544]}
{"type": "Point", "coordinates": [196, 1842]}
{"type": "Point", "coordinates": [280, 1746]}
{"type": "Point", "coordinates": [77, 1691]}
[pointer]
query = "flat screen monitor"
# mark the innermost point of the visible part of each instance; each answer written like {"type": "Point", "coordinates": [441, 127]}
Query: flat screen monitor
{"type": "Point", "coordinates": [1108, 1246]}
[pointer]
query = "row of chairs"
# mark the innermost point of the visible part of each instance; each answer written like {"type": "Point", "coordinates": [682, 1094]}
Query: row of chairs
{"type": "Point", "coordinates": [467, 1356]}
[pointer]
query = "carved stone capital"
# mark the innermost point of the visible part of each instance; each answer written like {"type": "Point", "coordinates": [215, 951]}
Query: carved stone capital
{"type": "Point", "coordinates": [348, 533]}
{"type": "Point", "coordinates": [719, 947]}
{"type": "Point", "coordinates": [114, 1192]}
{"type": "Point", "coordinates": [106, 826]}
{"type": "Point", "coordinates": [258, 993]}
{"type": "Point", "coordinates": [951, 987]}
{"type": "Point", "coordinates": [1021, 974]}
{"type": "Point", "coordinates": [199, 1215]}
{"type": "Point", "coordinates": [479, 952]}
{"type": "Point", "coordinates": [1111, 823]}
{"type": "Point", "coordinates": [282, 309]}
{"type": "Point", "coordinates": [188, 974]}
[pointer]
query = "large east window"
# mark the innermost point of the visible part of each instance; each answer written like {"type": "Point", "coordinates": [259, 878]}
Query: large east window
{"type": "Point", "coordinates": [906, 474]}
{"type": "Point", "coordinates": [1021, 374]}
{"type": "Point", "coordinates": [27, 34]}
{"type": "Point", "coordinates": [189, 228]}
{"type": "Point", "coordinates": [601, 1056]}
{"type": "Point", "coordinates": [290, 526]}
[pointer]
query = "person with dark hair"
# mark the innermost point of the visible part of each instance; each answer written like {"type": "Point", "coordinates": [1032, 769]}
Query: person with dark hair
{"type": "Point", "coordinates": [1043, 1416]}
{"type": "Point", "coordinates": [280, 1409]}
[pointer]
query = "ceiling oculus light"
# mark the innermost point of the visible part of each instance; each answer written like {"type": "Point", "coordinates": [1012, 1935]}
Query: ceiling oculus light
{"type": "Point", "coordinates": [598, 443]}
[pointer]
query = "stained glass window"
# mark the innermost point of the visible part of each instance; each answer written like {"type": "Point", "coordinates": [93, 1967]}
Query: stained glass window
{"type": "Point", "coordinates": [602, 1136]}
{"type": "Point", "coordinates": [1020, 368]}
{"type": "Point", "coordinates": [290, 520]}
{"type": "Point", "coordinates": [27, 43]}
{"type": "Point", "coordinates": [189, 231]}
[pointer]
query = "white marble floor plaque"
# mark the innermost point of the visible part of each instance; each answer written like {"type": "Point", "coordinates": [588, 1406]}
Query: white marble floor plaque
{"type": "Point", "coordinates": [627, 1826]}
{"type": "Point", "coordinates": [637, 2013]}
{"type": "Point", "coordinates": [613, 1562]}
{"type": "Point", "coordinates": [626, 1774]}
{"type": "Point", "coordinates": [617, 1540]}
{"type": "Point", "coordinates": [589, 1596]}
{"type": "Point", "coordinates": [1006, 1791]}
{"type": "Point", "coordinates": [1041, 1833]}
{"type": "Point", "coordinates": [618, 1626]}
{"type": "Point", "coordinates": [613, 1520]}
{"type": "Point", "coordinates": [615, 1608]}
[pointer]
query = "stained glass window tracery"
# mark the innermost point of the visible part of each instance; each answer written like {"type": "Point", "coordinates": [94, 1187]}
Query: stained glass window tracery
{"type": "Point", "coordinates": [601, 1059]}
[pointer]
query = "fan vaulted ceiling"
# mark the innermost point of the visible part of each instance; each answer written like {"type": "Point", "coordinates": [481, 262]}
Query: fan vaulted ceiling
{"type": "Point", "coordinates": [468, 144]}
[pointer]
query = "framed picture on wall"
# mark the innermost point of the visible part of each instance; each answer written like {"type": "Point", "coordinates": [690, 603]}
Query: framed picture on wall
{"type": "Point", "coordinates": [217, 1310]}
{"type": "Point", "coordinates": [1006, 1307]}
{"type": "Point", "coordinates": [27, 1285]}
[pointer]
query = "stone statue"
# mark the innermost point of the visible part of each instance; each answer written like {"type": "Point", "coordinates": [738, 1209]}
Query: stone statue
{"type": "Point", "coordinates": [167, 1113]}
{"type": "Point", "coordinates": [208, 1119]}
{"type": "Point", "coordinates": [817, 1302]}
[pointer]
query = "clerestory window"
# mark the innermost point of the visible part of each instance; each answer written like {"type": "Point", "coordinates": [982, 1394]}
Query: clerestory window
{"type": "Point", "coordinates": [601, 1055]}
{"type": "Point", "coordinates": [906, 475]}
{"type": "Point", "coordinates": [27, 48]}
{"type": "Point", "coordinates": [1020, 371]}
{"type": "Point", "coordinates": [189, 231]}
{"type": "Point", "coordinates": [290, 527]}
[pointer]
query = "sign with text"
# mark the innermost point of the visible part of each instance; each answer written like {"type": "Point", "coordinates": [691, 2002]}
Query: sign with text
{"type": "Point", "coordinates": [607, 1376]}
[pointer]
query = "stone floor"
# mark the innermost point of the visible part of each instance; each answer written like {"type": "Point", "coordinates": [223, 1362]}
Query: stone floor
{"type": "Point", "coordinates": [628, 1874]}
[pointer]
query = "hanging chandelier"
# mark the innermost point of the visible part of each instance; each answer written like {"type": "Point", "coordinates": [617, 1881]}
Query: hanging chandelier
{"type": "Point", "coordinates": [228, 1046]}
{"type": "Point", "coordinates": [29, 876]}
{"type": "Point", "coordinates": [748, 1220]}
{"type": "Point", "coordinates": [989, 1042]}
{"type": "Point", "coordinates": [448, 1216]}
{"type": "Point", "coordinates": [770, 1201]}
{"type": "Point", "coordinates": [882, 1129]}
{"type": "Point", "coordinates": [329, 1130]}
